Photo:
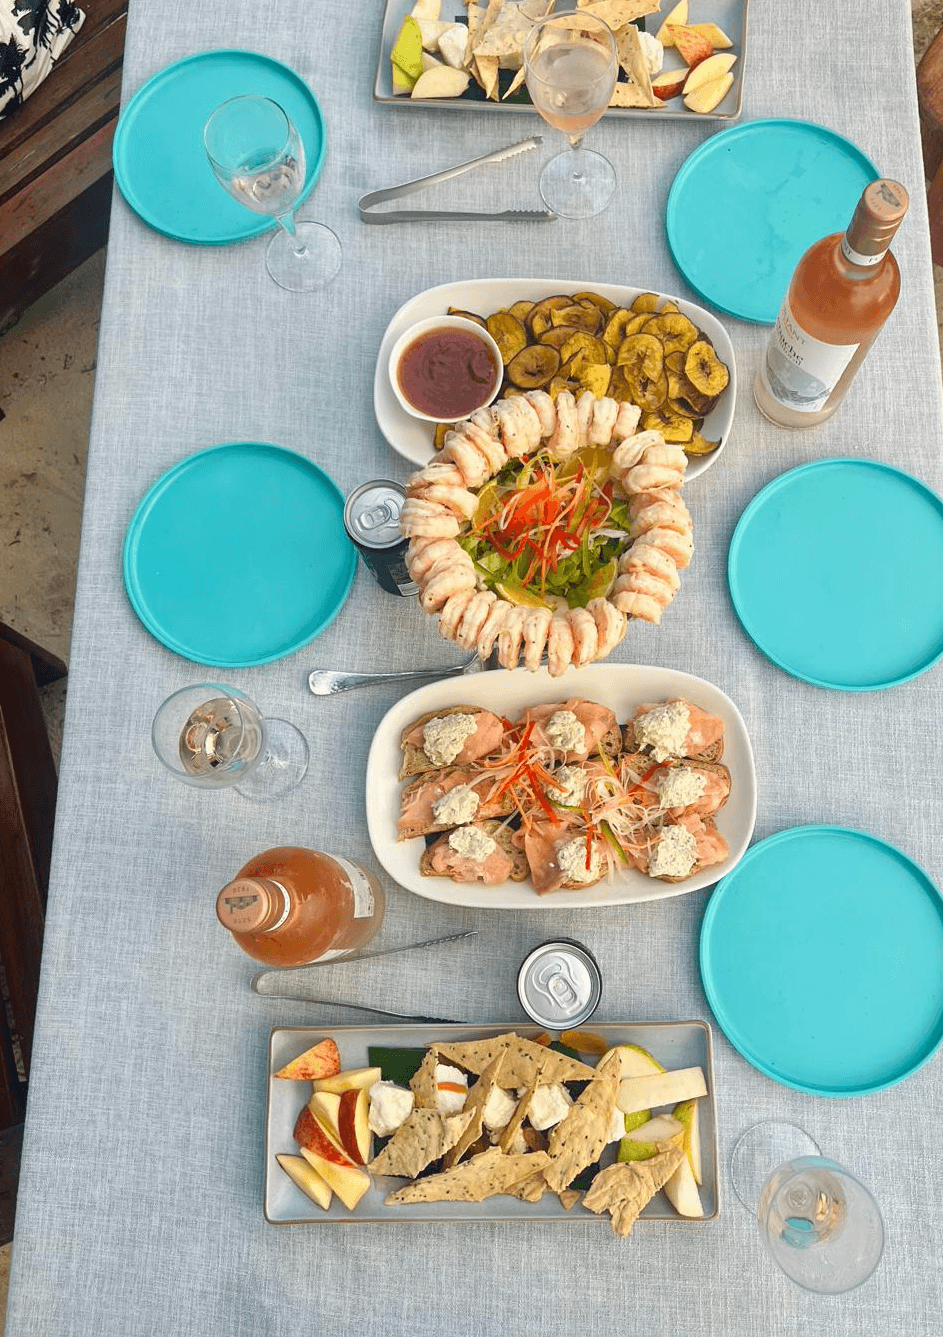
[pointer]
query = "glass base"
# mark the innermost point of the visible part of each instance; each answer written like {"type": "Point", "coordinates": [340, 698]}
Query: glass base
{"type": "Point", "coordinates": [307, 261]}
{"type": "Point", "coordinates": [577, 183]}
{"type": "Point", "coordinates": [762, 1149]}
{"type": "Point", "coordinates": [282, 768]}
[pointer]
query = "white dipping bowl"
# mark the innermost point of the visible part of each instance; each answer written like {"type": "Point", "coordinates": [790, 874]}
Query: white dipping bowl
{"type": "Point", "coordinates": [425, 327]}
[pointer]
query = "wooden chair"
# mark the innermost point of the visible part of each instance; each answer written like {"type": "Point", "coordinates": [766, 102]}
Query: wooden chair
{"type": "Point", "coordinates": [930, 100]}
{"type": "Point", "coordinates": [27, 811]}
{"type": "Point", "coordinates": [55, 163]}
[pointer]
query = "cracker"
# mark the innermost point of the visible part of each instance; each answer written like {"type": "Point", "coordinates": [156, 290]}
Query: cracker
{"type": "Point", "coordinates": [617, 13]}
{"type": "Point", "coordinates": [625, 1188]}
{"type": "Point", "coordinates": [524, 1061]}
{"type": "Point", "coordinates": [423, 1084]}
{"type": "Point", "coordinates": [475, 1107]}
{"type": "Point", "coordinates": [421, 1139]}
{"type": "Point", "coordinates": [632, 60]}
{"type": "Point", "coordinates": [579, 1139]}
{"type": "Point", "coordinates": [482, 1177]}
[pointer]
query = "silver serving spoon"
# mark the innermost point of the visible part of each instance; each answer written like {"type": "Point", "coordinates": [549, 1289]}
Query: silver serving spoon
{"type": "Point", "coordinates": [325, 682]}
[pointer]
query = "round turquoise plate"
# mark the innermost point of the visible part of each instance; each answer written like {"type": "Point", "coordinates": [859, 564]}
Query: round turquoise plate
{"type": "Point", "coordinates": [159, 158]}
{"type": "Point", "coordinates": [238, 555]}
{"type": "Point", "coordinates": [822, 960]}
{"type": "Point", "coordinates": [836, 572]}
{"type": "Point", "coordinates": [747, 204]}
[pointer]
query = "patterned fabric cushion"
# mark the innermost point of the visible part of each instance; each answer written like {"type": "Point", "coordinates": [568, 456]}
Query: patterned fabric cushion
{"type": "Point", "coordinates": [33, 35]}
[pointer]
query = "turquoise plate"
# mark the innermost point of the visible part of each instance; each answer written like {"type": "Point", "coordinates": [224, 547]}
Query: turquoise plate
{"type": "Point", "coordinates": [836, 572]}
{"type": "Point", "coordinates": [822, 960]}
{"type": "Point", "coordinates": [159, 158]}
{"type": "Point", "coordinates": [747, 204]}
{"type": "Point", "coordinates": [238, 555]}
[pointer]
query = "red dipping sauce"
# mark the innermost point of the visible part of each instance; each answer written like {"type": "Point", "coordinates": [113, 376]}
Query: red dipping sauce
{"type": "Point", "coordinates": [448, 373]}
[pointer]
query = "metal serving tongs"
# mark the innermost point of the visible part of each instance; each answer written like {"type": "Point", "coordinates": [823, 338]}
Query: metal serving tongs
{"type": "Point", "coordinates": [375, 197]}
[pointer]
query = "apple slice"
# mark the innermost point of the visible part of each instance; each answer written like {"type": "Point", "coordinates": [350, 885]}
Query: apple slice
{"type": "Point", "coordinates": [321, 1060]}
{"type": "Point", "coordinates": [661, 1088]}
{"type": "Point", "coordinates": [716, 36]}
{"type": "Point", "coordinates": [349, 1080]}
{"type": "Point", "coordinates": [678, 17]}
{"type": "Point", "coordinates": [693, 46]}
{"type": "Point", "coordinates": [314, 1137]}
{"type": "Point", "coordinates": [714, 67]}
{"type": "Point", "coordinates": [681, 1191]}
{"type": "Point", "coordinates": [710, 95]}
{"type": "Point", "coordinates": [669, 84]}
{"type": "Point", "coordinates": [353, 1124]}
{"type": "Point", "coordinates": [307, 1179]}
{"type": "Point", "coordinates": [324, 1106]}
{"type": "Point", "coordinates": [349, 1183]}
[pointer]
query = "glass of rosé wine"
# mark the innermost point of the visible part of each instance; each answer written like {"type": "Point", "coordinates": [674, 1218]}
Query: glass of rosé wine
{"type": "Point", "coordinates": [571, 64]}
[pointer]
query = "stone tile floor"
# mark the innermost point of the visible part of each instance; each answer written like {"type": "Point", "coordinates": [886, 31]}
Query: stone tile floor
{"type": "Point", "coordinates": [47, 378]}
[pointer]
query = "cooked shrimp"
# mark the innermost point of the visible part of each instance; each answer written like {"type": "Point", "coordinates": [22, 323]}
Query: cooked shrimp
{"type": "Point", "coordinates": [671, 455]}
{"type": "Point", "coordinates": [626, 421]}
{"type": "Point", "coordinates": [585, 636]}
{"type": "Point", "coordinates": [633, 604]}
{"type": "Point", "coordinates": [678, 547]}
{"type": "Point", "coordinates": [605, 413]}
{"type": "Point", "coordinates": [510, 428]}
{"type": "Point", "coordinates": [458, 500]}
{"type": "Point", "coordinates": [559, 646]}
{"type": "Point", "coordinates": [630, 451]}
{"type": "Point", "coordinates": [585, 407]}
{"type": "Point", "coordinates": [648, 477]}
{"type": "Point", "coordinates": [452, 611]}
{"type": "Point", "coordinates": [486, 443]}
{"type": "Point", "coordinates": [427, 519]}
{"type": "Point", "coordinates": [439, 471]}
{"type": "Point", "coordinates": [423, 553]}
{"type": "Point", "coordinates": [646, 557]}
{"type": "Point", "coordinates": [470, 462]}
{"type": "Point", "coordinates": [610, 625]}
{"type": "Point", "coordinates": [544, 407]}
{"type": "Point", "coordinates": [444, 584]}
{"type": "Point", "coordinates": [491, 626]}
{"type": "Point", "coordinates": [473, 618]}
{"type": "Point", "coordinates": [536, 627]}
{"type": "Point", "coordinates": [529, 420]}
{"type": "Point", "coordinates": [511, 637]}
{"type": "Point", "coordinates": [668, 514]}
{"type": "Point", "coordinates": [643, 582]}
{"type": "Point", "coordinates": [565, 437]}
{"type": "Point", "coordinates": [446, 563]}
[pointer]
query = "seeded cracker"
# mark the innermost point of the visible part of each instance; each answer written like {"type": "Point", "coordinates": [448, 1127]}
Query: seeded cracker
{"type": "Point", "coordinates": [617, 13]}
{"type": "Point", "coordinates": [517, 1118]}
{"type": "Point", "coordinates": [474, 1108]}
{"type": "Point", "coordinates": [484, 1175]}
{"type": "Point", "coordinates": [423, 1084]}
{"type": "Point", "coordinates": [578, 1139]}
{"type": "Point", "coordinates": [638, 93]}
{"type": "Point", "coordinates": [623, 1189]}
{"type": "Point", "coordinates": [524, 1061]}
{"type": "Point", "coordinates": [421, 1139]}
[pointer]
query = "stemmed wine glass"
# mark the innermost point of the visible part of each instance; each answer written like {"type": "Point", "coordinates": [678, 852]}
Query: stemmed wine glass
{"type": "Point", "coordinates": [258, 155]}
{"type": "Point", "coordinates": [570, 65]}
{"type": "Point", "coordinates": [819, 1222]}
{"type": "Point", "coordinates": [213, 736]}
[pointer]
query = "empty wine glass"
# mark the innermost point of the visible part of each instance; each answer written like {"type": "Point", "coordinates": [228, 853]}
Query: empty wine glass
{"type": "Point", "coordinates": [213, 736]}
{"type": "Point", "coordinates": [258, 155]}
{"type": "Point", "coordinates": [570, 66]}
{"type": "Point", "coordinates": [819, 1222]}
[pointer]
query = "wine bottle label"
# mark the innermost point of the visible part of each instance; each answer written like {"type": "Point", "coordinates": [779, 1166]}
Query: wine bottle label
{"type": "Point", "coordinates": [799, 371]}
{"type": "Point", "coordinates": [857, 258]}
{"type": "Point", "coordinates": [363, 895]}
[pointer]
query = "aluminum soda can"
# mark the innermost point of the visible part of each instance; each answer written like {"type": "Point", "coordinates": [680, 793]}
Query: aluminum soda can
{"type": "Point", "coordinates": [559, 984]}
{"type": "Point", "coordinates": [371, 518]}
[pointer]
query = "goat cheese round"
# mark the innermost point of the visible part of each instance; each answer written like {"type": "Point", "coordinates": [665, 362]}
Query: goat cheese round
{"type": "Point", "coordinates": [653, 53]}
{"type": "Point", "coordinates": [572, 782]}
{"type": "Point", "coordinates": [390, 1105]}
{"type": "Point", "coordinates": [456, 807]}
{"type": "Point", "coordinates": [675, 854]}
{"type": "Point", "coordinates": [664, 729]}
{"type": "Point", "coordinates": [498, 1109]}
{"type": "Point", "coordinates": [548, 1105]}
{"type": "Point", "coordinates": [572, 860]}
{"type": "Point", "coordinates": [450, 1101]}
{"type": "Point", "coordinates": [680, 786]}
{"type": "Point", "coordinates": [564, 731]}
{"type": "Point", "coordinates": [472, 842]}
{"type": "Point", "coordinates": [444, 737]}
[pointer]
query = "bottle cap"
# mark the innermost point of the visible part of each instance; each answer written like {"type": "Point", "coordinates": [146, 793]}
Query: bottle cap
{"type": "Point", "coordinates": [248, 905]}
{"type": "Point", "coordinates": [559, 984]}
{"type": "Point", "coordinates": [879, 214]}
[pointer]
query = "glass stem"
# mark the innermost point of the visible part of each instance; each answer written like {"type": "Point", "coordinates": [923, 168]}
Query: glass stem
{"type": "Point", "coordinates": [575, 142]}
{"type": "Point", "coordinates": [287, 221]}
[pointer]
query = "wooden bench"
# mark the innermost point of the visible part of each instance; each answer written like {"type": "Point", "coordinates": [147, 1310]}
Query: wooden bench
{"type": "Point", "coordinates": [930, 100]}
{"type": "Point", "coordinates": [55, 163]}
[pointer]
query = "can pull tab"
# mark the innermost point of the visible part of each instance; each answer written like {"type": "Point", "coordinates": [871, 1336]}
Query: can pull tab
{"type": "Point", "coordinates": [555, 982]}
{"type": "Point", "coordinates": [378, 516]}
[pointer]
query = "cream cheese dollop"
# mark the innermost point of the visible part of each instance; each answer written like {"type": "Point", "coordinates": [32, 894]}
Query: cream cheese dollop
{"type": "Point", "coordinates": [456, 807]}
{"type": "Point", "coordinates": [680, 786]}
{"type": "Point", "coordinates": [444, 737]}
{"type": "Point", "coordinates": [664, 729]}
{"type": "Point", "coordinates": [472, 843]}
{"type": "Point", "coordinates": [571, 859]}
{"type": "Point", "coordinates": [564, 731]}
{"type": "Point", "coordinates": [675, 854]}
{"type": "Point", "coordinates": [572, 781]}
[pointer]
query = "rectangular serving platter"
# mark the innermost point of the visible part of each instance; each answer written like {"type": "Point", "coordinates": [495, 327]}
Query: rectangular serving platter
{"type": "Point", "coordinates": [730, 15]}
{"type": "Point", "coordinates": [676, 1044]}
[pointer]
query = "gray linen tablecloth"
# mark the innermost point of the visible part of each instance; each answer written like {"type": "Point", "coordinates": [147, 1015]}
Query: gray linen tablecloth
{"type": "Point", "coordinates": [140, 1194]}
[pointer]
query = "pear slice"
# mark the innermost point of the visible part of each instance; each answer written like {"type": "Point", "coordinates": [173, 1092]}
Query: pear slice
{"type": "Point", "coordinates": [687, 1113]}
{"type": "Point", "coordinates": [681, 1191]}
{"type": "Point", "coordinates": [634, 1061]}
{"type": "Point", "coordinates": [660, 1088]}
{"type": "Point", "coordinates": [646, 1141]}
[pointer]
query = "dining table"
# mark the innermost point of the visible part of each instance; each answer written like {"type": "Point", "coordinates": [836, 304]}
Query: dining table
{"type": "Point", "coordinates": [140, 1206]}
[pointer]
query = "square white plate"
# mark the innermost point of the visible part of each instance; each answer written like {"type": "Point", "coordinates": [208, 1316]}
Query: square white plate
{"type": "Point", "coordinates": [622, 687]}
{"type": "Point", "coordinates": [676, 1044]}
